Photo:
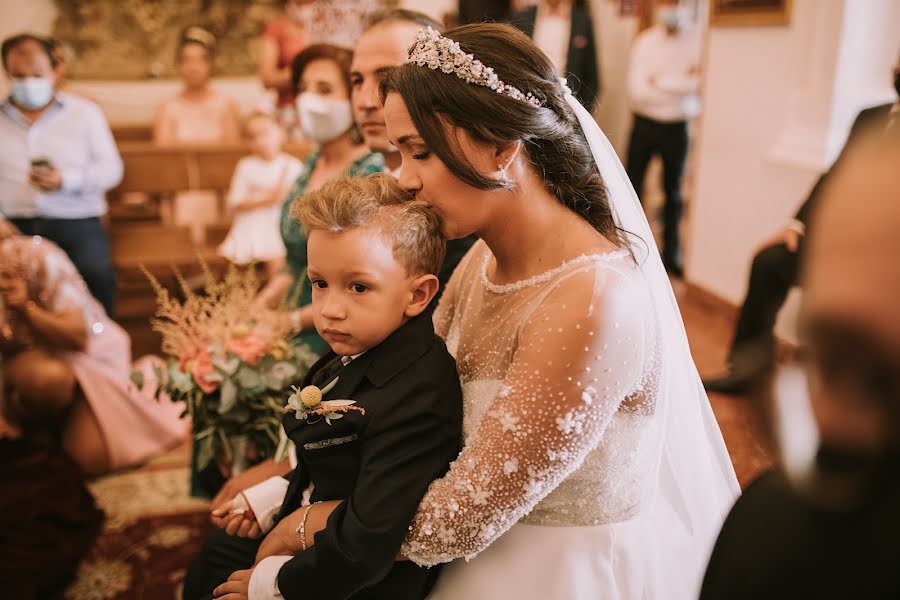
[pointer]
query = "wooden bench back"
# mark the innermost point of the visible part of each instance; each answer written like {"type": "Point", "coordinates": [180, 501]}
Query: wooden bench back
{"type": "Point", "coordinates": [149, 168]}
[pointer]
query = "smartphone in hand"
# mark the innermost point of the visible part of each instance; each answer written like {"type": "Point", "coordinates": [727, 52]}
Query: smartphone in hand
{"type": "Point", "coordinates": [40, 163]}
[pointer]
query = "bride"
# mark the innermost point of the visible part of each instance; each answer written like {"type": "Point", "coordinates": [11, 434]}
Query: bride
{"type": "Point", "coordinates": [593, 466]}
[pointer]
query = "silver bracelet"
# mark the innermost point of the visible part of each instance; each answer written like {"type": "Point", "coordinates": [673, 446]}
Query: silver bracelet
{"type": "Point", "coordinates": [301, 529]}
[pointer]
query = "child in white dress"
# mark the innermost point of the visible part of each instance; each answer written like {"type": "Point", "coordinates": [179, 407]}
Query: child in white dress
{"type": "Point", "coordinates": [259, 185]}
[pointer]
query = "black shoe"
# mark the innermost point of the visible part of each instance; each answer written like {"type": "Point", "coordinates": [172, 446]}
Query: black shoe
{"type": "Point", "coordinates": [729, 383]}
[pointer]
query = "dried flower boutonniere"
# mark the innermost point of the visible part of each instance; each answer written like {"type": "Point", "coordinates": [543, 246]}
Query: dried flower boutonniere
{"type": "Point", "coordinates": [308, 403]}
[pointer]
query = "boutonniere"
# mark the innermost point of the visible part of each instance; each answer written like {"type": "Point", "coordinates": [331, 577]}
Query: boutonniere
{"type": "Point", "coordinates": [307, 403]}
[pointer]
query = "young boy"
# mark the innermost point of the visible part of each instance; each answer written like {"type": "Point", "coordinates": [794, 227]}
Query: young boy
{"type": "Point", "coordinates": [372, 262]}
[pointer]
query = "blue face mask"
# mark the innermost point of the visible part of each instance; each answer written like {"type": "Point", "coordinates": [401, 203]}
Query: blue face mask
{"type": "Point", "coordinates": [31, 92]}
{"type": "Point", "coordinates": [670, 17]}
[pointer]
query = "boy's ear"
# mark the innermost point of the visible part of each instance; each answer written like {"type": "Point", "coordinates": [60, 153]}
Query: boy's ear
{"type": "Point", "coordinates": [423, 289]}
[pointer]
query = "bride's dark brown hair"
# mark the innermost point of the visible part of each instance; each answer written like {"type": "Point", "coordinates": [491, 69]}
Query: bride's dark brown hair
{"type": "Point", "coordinates": [552, 139]}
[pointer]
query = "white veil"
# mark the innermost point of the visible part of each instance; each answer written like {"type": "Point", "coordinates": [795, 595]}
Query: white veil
{"type": "Point", "coordinates": [695, 483]}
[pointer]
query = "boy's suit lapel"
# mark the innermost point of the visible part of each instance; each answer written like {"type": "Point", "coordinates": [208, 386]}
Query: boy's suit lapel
{"type": "Point", "coordinates": [379, 365]}
{"type": "Point", "coordinates": [349, 378]}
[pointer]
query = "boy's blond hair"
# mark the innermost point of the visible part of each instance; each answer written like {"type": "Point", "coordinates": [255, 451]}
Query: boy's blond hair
{"type": "Point", "coordinates": [377, 201]}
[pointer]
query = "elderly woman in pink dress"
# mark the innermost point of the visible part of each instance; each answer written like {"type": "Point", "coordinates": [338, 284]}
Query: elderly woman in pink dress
{"type": "Point", "coordinates": [66, 366]}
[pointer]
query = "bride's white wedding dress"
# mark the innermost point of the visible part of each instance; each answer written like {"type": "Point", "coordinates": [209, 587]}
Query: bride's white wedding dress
{"type": "Point", "coordinates": [593, 467]}
{"type": "Point", "coordinates": [557, 492]}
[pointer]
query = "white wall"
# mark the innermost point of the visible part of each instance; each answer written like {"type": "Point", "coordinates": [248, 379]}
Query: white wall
{"type": "Point", "coordinates": [777, 105]}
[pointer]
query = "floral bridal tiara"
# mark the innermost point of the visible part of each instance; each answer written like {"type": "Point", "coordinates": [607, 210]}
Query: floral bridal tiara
{"type": "Point", "coordinates": [439, 53]}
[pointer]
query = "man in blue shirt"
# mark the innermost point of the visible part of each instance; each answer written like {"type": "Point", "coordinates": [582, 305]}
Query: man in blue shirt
{"type": "Point", "coordinates": [57, 160]}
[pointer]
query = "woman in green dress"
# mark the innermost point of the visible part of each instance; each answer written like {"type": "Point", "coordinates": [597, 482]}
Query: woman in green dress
{"type": "Point", "coordinates": [321, 75]}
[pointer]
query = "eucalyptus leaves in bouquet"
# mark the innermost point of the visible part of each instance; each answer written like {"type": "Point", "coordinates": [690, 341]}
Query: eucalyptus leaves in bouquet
{"type": "Point", "coordinates": [231, 363]}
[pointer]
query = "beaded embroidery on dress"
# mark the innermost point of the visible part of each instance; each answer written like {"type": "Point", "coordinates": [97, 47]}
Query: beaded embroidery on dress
{"type": "Point", "coordinates": [589, 465]}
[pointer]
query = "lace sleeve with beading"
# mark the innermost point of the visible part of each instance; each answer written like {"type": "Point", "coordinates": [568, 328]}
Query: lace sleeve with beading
{"type": "Point", "coordinates": [577, 357]}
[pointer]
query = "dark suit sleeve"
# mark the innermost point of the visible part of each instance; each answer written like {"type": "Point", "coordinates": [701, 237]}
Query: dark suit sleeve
{"type": "Point", "coordinates": [865, 120]}
{"type": "Point", "coordinates": [589, 72]}
{"type": "Point", "coordinates": [408, 444]}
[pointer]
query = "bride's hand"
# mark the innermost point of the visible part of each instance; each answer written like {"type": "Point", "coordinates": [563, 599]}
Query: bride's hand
{"type": "Point", "coordinates": [284, 539]}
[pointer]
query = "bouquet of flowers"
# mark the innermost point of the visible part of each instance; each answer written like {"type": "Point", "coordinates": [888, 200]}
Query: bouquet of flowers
{"type": "Point", "coordinates": [231, 363]}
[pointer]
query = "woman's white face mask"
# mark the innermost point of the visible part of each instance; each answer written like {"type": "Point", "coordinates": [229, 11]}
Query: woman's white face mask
{"type": "Point", "coordinates": [323, 119]}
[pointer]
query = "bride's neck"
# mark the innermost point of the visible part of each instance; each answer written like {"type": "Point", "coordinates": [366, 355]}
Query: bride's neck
{"type": "Point", "coordinates": [532, 232]}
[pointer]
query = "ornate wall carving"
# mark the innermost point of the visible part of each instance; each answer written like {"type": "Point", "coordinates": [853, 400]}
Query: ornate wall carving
{"type": "Point", "coordinates": [138, 39]}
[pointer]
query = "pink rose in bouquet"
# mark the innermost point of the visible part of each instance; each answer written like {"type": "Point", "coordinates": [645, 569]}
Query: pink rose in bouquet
{"type": "Point", "coordinates": [187, 355]}
{"type": "Point", "coordinates": [201, 367]}
{"type": "Point", "coordinates": [249, 348]}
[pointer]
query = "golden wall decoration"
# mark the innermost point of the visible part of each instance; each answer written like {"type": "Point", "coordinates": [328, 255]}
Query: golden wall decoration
{"type": "Point", "coordinates": [138, 39]}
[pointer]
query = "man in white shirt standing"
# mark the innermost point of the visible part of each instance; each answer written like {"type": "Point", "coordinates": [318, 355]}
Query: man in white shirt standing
{"type": "Point", "coordinates": [57, 160]}
{"type": "Point", "coordinates": [663, 84]}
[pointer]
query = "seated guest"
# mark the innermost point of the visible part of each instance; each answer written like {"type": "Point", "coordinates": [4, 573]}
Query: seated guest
{"type": "Point", "coordinates": [57, 161]}
{"type": "Point", "coordinates": [322, 80]}
{"type": "Point", "coordinates": [259, 185]}
{"type": "Point", "coordinates": [372, 261]}
{"type": "Point", "coordinates": [830, 530]}
{"type": "Point", "coordinates": [563, 29]}
{"type": "Point", "coordinates": [67, 365]}
{"type": "Point", "coordinates": [197, 115]}
{"type": "Point", "coordinates": [775, 269]}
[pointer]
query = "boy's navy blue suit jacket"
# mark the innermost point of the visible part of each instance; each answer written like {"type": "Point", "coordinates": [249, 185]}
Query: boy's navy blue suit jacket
{"type": "Point", "coordinates": [381, 463]}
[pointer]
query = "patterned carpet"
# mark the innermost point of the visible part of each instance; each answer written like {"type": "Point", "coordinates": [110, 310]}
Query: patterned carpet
{"type": "Point", "coordinates": [152, 529]}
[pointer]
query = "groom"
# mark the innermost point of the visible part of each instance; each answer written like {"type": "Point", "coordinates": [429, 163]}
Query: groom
{"type": "Point", "coordinates": [383, 46]}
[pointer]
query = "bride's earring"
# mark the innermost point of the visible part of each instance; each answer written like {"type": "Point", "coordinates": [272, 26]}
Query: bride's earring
{"type": "Point", "coordinates": [504, 178]}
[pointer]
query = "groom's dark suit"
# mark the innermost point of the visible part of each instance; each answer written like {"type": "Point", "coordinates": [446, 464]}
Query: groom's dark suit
{"type": "Point", "coordinates": [381, 462]}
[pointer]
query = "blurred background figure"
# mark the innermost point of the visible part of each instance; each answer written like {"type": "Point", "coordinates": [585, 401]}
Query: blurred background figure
{"type": "Point", "coordinates": [478, 11]}
{"type": "Point", "coordinates": [776, 265]}
{"type": "Point", "coordinates": [563, 29]}
{"type": "Point", "coordinates": [663, 87]}
{"type": "Point", "coordinates": [197, 115]}
{"type": "Point", "coordinates": [259, 185]}
{"type": "Point", "coordinates": [831, 530]}
{"type": "Point", "coordinates": [283, 39]}
{"type": "Point", "coordinates": [305, 22]}
{"type": "Point", "coordinates": [57, 161]}
{"type": "Point", "coordinates": [66, 366]}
